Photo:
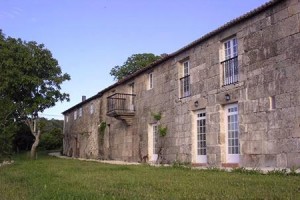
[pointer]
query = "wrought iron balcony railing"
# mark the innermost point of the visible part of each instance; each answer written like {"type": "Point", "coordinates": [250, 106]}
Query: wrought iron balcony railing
{"type": "Point", "coordinates": [120, 103]}
{"type": "Point", "coordinates": [230, 71]}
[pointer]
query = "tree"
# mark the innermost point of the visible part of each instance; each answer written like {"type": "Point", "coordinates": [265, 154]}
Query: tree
{"type": "Point", "coordinates": [7, 128]}
{"type": "Point", "coordinates": [133, 64]}
{"type": "Point", "coordinates": [31, 78]}
{"type": "Point", "coordinates": [52, 137]}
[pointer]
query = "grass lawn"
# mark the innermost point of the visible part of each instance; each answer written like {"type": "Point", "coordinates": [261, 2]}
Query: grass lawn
{"type": "Point", "coordinates": [54, 178]}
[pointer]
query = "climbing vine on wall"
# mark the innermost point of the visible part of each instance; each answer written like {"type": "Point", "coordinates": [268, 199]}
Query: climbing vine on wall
{"type": "Point", "coordinates": [101, 128]}
{"type": "Point", "coordinates": [156, 116]}
{"type": "Point", "coordinates": [162, 130]}
{"type": "Point", "coordinates": [101, 131]}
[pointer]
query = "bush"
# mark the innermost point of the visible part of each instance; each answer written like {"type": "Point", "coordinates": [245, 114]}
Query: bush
{"type": "Point", "coordinates": [51, 140]}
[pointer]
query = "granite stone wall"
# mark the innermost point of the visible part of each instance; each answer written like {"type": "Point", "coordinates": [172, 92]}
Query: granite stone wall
{"type": "Point", "coordinates": [267, 95]}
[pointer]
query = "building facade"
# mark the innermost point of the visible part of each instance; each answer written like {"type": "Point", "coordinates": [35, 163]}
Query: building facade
{"type": "Point", "coordinates": [230, 98]}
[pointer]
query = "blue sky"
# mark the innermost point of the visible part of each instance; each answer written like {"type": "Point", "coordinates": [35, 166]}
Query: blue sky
{"type": "Point", "coordinates": [89, 37]}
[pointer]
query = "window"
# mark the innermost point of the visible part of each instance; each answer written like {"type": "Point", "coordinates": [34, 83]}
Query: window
{"type": "Point", "coordinates": [201, 133]}
{"type": "Point", "coordinates": [155, 141]}
{"type": "Point", "coordinates": [131, 98]}
{"type": "Point", "coordinates": [185, 80]}
{"type": "Point", "coordinates": [67, 118]}
{"type": "Point", "coordinates": [131, 88]}
{"type": "Point", "coordinates": [272, 103]}
{"type": "Point", "coordinates": [75, 114]}
{"type": "Point", "coordinates": [230, 63]}
{"type": "Point", "coordinates": [80, 112]}
{"type": "Point", "coordinates": [232, 136]}
{"type": "Point", "coordinates": [92, 108]}
{"type": "Point", "coordinates": [201, 137]}
{"type": "Point", "coordinates": [150, 80]}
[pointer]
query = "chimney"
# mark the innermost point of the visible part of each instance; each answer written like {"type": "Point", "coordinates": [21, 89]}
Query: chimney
{"type": "Point", "coordinates": [83, 98]}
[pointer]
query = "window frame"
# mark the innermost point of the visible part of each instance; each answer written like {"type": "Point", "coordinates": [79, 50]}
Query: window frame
{"type": "Point", "coordinates": [75, 115]}
{"type": "Point", "coordinates": [92, 110]}
{"type": "Point", "coordinates": [232, 133]}
{"type": "Point", "coordinates": [230, 65]}
{"type": "Point", "coordinates": [80, 112]}
{"type": "Point", "coordinates": [150, 81]}
{"type": "Point", "coordinates": [185, 82]}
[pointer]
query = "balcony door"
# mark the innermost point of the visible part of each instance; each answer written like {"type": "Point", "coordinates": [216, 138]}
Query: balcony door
{"type": "Point", "coordinates": [131, 101]}
{"type": "Point", "coordinates": [201, 137]}
{"type": "Point", "coordinates": [232, 134]}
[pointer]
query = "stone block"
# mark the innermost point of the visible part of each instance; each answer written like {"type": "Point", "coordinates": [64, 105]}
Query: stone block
{"type": "Point", "coordinates": [281, 15]}
{"type": "Point", "coordinates": [293, 9]}
{"type": "Point", "coordinates": [270, 160]}
{"type": "Point", "coordinates": [211, 100]}
{"type": "Point", "coordinates": [259, 126]}
{"type": "Point", "coordinates": [213, 70]}
{"type": "Point", "coordinates": [234, 97]}
{"type": "Point", "coordinates": [270, 147]}
{"type": "Point", "coordinates": [250, 160]}
{"type": "Point", "coordinates": [283, 100]}
{"type": "Point", "coordinates": [288, 26]}
{"type": "Point", "coordinates": [273, 134]}
{"type": "Point", "coordinates": [288, 145]}
{"type": "Point", "coordinates": [214, 118]}
{"type": "Point", "coordinates": [212, 83]}
{"type": "Point", "coordinates": [202, 103]}
{"type": "Point", "coordinates": [273, 118]}
{"type": "Point", "coordinates": [251, 147]}
{"type": "Point", "coordinates": [212, 159]}
{"type": "Point", "coordinates": [213, 128]}
{"type": "Point", "coordinates": [293, 160]}
{"type": "Point", "coordinates": [295, 99]}
{"type": "Point", "coordinates": [212, 138]}
{"type": "Point", "coordinates": [296, 131]}
{"type": "Point", "coordinates": [281, 160]}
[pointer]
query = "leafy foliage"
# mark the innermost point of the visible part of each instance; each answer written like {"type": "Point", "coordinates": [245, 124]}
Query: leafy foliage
{"type": "Point", "coordinates": [162, 131]}
{"type": "Point", "coordinates": [133, 64]}
{"type": "Point", "coordinates": [30, 78]}
{"type": "Point", "coordinates": [52, 137]}
{"type": "Point", "coordinates": [7, 128]}
{"type": "Point", "coordinates": [101, 128]}
{"type": "Point", "coordinates": [156, 116]}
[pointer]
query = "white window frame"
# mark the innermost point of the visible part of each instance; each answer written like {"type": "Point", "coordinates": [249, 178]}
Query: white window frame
{"type": "Point", "coordinates": [67, 118]}
{"type": "Point", "coordinates": [80, 112]}
{"type": "Point", "coordinates": [230, 64]}
{"type": "Point", "coordinates": [185, 83]}
{"type": "Point", "coordinates": [75, 114]}
{"type": "Point", "coordinates": [92, 108]}
{"type": "Point", "coordinates": [153, 142]}
{"type": "Point", "coordinates": [232, 134]}
{"type": "Point", "coordinates": [201, 136]}
{"type": "Point", "coordinates": [186, 68]}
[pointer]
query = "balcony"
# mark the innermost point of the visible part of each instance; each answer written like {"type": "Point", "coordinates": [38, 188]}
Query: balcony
{"type": "Point", "coordinates": [121, 106]}
{"type": "Point", "coordinates": [230, 71]}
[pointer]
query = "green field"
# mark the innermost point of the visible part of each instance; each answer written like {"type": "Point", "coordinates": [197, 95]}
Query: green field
{"type": "Point", "coordinates": [54, 178]}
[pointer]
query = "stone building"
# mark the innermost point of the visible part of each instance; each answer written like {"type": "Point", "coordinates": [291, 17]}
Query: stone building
{"type": "Point", "coordinates": [230, 98]}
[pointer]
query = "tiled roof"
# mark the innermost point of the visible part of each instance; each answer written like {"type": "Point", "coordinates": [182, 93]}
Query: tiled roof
{"type": "Point", "coordinates": [191, 45]}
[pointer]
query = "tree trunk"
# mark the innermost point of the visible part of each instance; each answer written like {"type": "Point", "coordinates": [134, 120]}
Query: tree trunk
{"type": "Point", "coordinates": [34, 146]}
{"type": "Point", "coordinates": [36, 132]}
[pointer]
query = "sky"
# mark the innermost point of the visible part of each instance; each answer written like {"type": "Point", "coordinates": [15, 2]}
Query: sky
{"type": "Point", "coordinates": [89, 37]}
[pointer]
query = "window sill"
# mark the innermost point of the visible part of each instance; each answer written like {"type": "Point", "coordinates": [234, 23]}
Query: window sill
{"type": "Point", "coordinates": [185, 97]}
{"type": "Point", "coordinates": [231, 86]}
